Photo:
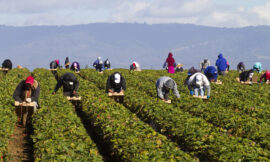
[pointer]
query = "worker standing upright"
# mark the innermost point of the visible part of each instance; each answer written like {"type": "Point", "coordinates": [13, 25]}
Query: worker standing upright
{"type": "Point", "coordinates": [221, 64]}
{"type": "Point", "coordinates": [170, 63]}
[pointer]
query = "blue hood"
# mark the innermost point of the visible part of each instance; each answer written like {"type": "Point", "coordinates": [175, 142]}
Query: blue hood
{"type": "Point", "coordinates": [220, 55]}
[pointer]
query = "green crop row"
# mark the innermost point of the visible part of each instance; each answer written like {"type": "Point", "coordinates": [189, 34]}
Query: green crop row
{"type": "Point", "coordinates": [8, 118]}
{"type": "Point", "coordinates": [59, 135]}
{"type": "Point", "coordinates": [236, 123]}
{"type": "Point", "coordinates": [197, 135]}
{"type": "Point", "coordinates": [129, 138]}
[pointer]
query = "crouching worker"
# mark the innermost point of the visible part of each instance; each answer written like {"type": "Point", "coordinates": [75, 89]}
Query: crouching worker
{"type": "Point", "coordinates": [246, 76]}
{"type": "Point", "coordinates": [70, 85]}
{"type": "Point", "coordinates": [27, 91]}
{"type": "Point", "coordinates": [211, 73]}
{"type": "Point", "coordinates": [7, 64]}
{"type": "Point", "coordinates": [116, 83]}
{"type": "Point", "coordinates": [197, 84]}
{"type": "Point", "coordinates": [164, 85]}
{"type": "Point", "coordinates": [75, 66]}
{"type": "Point", "coordinates": [265, 76]}
{"type": "Point", "coordinates": [135, 66]}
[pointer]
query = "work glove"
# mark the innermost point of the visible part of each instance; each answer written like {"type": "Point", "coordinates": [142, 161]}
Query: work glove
{"type": "Point", "coordinates": [208, 97]}
{"type": "Point", "coordinates": [191, 92]}
{"type": "Point", "coordinates": [28, 100]}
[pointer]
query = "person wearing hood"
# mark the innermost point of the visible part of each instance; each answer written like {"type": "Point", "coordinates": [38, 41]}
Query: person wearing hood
{"type": "Point", "coordinates": [164, 85]}
{"type": "Point", "coordinates": [204, 64]}
{"type": "Point", "coordinates": [98, 64]}
{"type": "Point", "coordinates": [7, 64]}
{"type": "Point", "coordinates": [197, 84]}
{"type": "Point", "coordinates": [115, 83]}
{"type": "Point", "coordinates": [107, 64]}
{"type": "Point", "coordinates": [179, 68]}
{"type": "Point", "coordinates": [55, 64]}
{"type": "Point", "coordinates": [27, 91]}
{"type": "Point", "coordinates": [67, 63]}
{"type": "Point", "coordinates": [246, 75]}
{"type": "Point", "coordinates": [221, 64]}
{"type": "Point", "coordinates": [257, 67]}
{"type": "Point", "coordinates": [265, 76]}
{"type": "Point", "coordinates": [211, 73]}
{"type": "Point", "coordinates": [170, 63]}
{"type": "Point", "coordinates": [70, 85]}
{"type": "Point", "coordinates": [241, 67]}
{"type": "Point", "coordinates": [135, 66]}
{"type": "Point", "coordinates": [75, 66]}
{"type": "Point", "coordinates": [190, 72]}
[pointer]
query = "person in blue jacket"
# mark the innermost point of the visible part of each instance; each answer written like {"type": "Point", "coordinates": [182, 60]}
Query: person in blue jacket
{"type": "Point", "coordinates": [221, 64]}
{"type": "Point", "coordinates": [257, 67]}
{"type": "Point", "coordinates": [211, 73]}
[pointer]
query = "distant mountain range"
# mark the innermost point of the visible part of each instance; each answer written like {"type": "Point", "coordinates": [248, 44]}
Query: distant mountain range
{"type": "Point", "coordinates": [36, 46]}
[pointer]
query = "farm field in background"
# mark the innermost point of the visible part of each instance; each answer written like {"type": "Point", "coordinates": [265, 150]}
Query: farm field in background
{"type": "Point", "coordinates": [232, 125]}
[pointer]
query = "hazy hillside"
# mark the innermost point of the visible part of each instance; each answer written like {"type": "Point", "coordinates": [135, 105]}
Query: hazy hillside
{"type": "Point", "coordinates": [36, 46]}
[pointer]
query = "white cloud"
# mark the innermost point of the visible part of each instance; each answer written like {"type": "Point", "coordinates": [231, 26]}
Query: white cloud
{"type": "Point", "coordinates": [70, 12]}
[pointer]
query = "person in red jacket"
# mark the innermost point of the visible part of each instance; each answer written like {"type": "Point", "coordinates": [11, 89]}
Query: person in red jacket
{"type": "Point", "coordinates": [265, 76]}
{"type": "Point", "coordinates": [170, 63]}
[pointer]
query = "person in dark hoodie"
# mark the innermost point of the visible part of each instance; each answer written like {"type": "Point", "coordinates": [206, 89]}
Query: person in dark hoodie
{"type": "Point", "coordinates": [170, 63]}
{"type": "Point", "coordinates": [75, 66]}
{"type": "Point", "coordinates": [98, 64]}
{"type": "Point", "coordinates": [70, 85]}
{"type": "Point", "coordinates": [107, 64]}
{"type": "Point", "coordinates": [7, 64]}
{"type": "Point", "coordinates": [211, 73]}
{"type": "Point", "coordinates": [116, 83]}
{"type": "Point", "coordinates": [221, 64]}
{"type": "Point", "coordinates": [246, 75]}
{"type": "Point", "coordinates": [54, 64]}
{"type": "Point", "coordinates": [27, 91]}
{"type": "Point", "coordinates": [164, 85]}
{"type": "Point", "coordinates": [241, 67]}
{"type": "Point", "coordinates": [190, 72]}
{"type": "Point", "coordinates": [67, 63]}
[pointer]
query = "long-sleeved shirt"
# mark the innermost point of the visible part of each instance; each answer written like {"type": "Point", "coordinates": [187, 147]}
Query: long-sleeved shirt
{"type": "Point", "coordinates": [20, 92]}
{"type": "Point", "coordinates": [69, 83]}
{"type": "Point", "coordinates": [244, 76]}
{"type": "Point", "coordinates": [137, 66]}
{"type": "Point", "coordinates": [54, 65]}
{"type": "Point", "coordinates": [117, 87]}
{"type": "Point", "coordinates": [211, 73]}
{"type": "Point", "coordinates": [160, 87]}
{"type": "Point", "coordinates": [7, 64]}
{"type": "Point", "coordinates": [205, 83]}
{"type": "Point", "coordinates": [258, 67]}
{"type": "Point", "coordinates": [265, 76]}
{"type": "Point", "coordinates": [204, 64]}
{"type": "Point", "coordinates": [221, 63]}
{"type": "Point", "coordinates": [73, 67]}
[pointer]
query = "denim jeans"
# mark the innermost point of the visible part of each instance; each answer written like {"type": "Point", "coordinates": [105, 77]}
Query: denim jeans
{"type": "Point", "coordinates": [199, 91]}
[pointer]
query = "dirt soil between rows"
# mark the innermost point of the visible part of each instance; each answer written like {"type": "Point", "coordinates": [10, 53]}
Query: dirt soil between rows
{"type": "Point", "coordinates": [20, 146]}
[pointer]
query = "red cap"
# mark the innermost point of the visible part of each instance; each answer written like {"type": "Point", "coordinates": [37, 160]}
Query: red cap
{"type": "Point", "coordinates": [57, 61]}
{"type": "Point", "coordinates": [134, 64]}
{"type": "Point", "coordinates": [29, 80]}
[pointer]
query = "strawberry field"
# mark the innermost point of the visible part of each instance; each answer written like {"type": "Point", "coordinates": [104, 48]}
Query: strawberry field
{"type": "Point", "coordinates": [233, 125]}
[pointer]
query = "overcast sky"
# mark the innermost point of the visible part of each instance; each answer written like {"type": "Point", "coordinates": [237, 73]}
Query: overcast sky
{"type": "Point", "coordinates": [220, 13]}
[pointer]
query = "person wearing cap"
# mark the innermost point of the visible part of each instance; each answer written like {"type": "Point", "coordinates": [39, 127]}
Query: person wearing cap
{"type": "Point", "coordinates": [115, 83]}
{"type": "Point", "coordinates": [265, 76]}
{"type": "Point", "coordinates": [246, 75]}
{"type": "Point", "coordinates": [135, 66]}
{"type": "Point", "coordinates": [98, 64]}
{"type": "Point", "coordinates": [257, 67]}
{"type": "Point", "coordinates": [70, 85]}
{"type": "Point", "coordinates": [67, 63]}
{"type": "Point", "coordinates": [221, 64]}
{"type": "Point", "coordinates": [211, 73]}
{"type": "Point", "coordinates": [164, 85]}
{"type": "Point", "coordinates": [7, 64]}
{"type": "Point", "coordinates": [170, 63]}
{"type": "Point", "coordinates": [190, 72]}
{"type": "Point", "coordinates": [27, 91]}
{"type": "Point", "coordinates": [54, 64]}
{"type": "Point", "coordinates": [179, 68]}
{"type": "Point", "coordinates": [107, 64]}
{"type": "Point", "coordinates": [204, 64]}
{"type": "Point", "coordinates": [241, 67]}
{"type": "Point", "coordinates": [197, 84]}
{"type": "Point", "coordinates": [75, 66]}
